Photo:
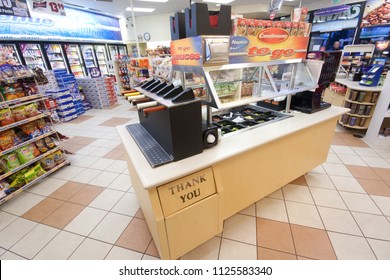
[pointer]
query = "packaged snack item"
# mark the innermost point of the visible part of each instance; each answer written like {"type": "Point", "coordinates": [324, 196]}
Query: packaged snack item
{"type": "Point", "coordinates": [3, 185]}
{"type": "Point", "coordinates": [11, 161]}
{"type": "Point", "coordinates": [18, 182]}
{"type": "Point", "coordinates": [48, 162]}
{"type": "Point", "coordinates": [9, 92]}
{"type": "Point", "coordinates": [40, 144]}
{"type": "Point", "coordinates": [31, 130]}
{"type": "Point", "coordinates": [43, 126]}
{"type": "Point", "coordinates": [294, 29]}
{"type": "Point", "coordinates": [6, 142]}
{"type": "Point", "coordinates": [287, 26]}
{"type": "Point", "coordinates": [49, 143]}
{"type": "Point", "coordinates": [6, 117]}
{"type": "Point", "coordinates": [3, 165]}
{"type": "Point", "coordinates": [279, 24]}
{"type": "Point", "coordinates": [25, 154]}
{"type": "Point", "coordinates": [268, 23]}
{"type": "Point", "coordinates": [241, 27]}
{"type": "Point", "coordinates": [307, 29]}
{"type": "Point", "coordinates": [259, 25]}
{"type": "Point", "coordinates": [250, 27]}
{"type": "Point", "coordinates": [30, 176]}
{"type": "Point", "coordinates": [304, 13]}
{"type": "Point", "coordinates": [58, 157]}
{"type": "Point", "coordinates": [19, 113]}
{"type": "Point", "coordinates": [31, 110]}
{"type": "Point", "coordinates": [35, 150]}
{"type": "Point", "coordinates": [301, 30]}
{"type": "Point", "coordinates": [39, 170]}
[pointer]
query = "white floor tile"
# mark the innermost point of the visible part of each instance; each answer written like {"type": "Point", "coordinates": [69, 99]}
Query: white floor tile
{"type": "Point", "coordinates": [319, 169]}
{"type": "Point", "coordinates": [339, 221]}
{"type": "Point", "coordinates": [233, 250]}
{"type": "Point", "coordinates": [349, 247]}
{"type": "Point", "coordinates": [276, 194]}
{"type": "Point", "coordinates": [11, 256]}
{"type": "Point", "coordinates": [327, 198]}
{"type": "Point", "coordinates": [149, 258]}
{"type": "Point", "coordinates": [376, 162]}
{"type": "Point", "coordinates": [47, 186]}
{"type": "Point", "coordinates": [347, 184]}
{"type": "Point", "coordinates": [87, 150]}
{"type": "Point", "coordinates": [333, 158]}
{"type": "Point", "coordinates": [127, 205]}
{"type": "Point", "coordinates": [381, 248]}
{"type": "Point", "coordinates": [34, 241]}
{"type": "Point", "coordinates": [118, 253]}
{"type": "Point", "coordinates": [207, 251]}
{"type": "Point", "coordinates": [270, 208]}
{"type": "Point", "coordinates": [22, 203]}
{"type": "Point", "coordinates": [107, 199]}
{"type": "Point", "coordinates": [250, 211]}
{"type": "Point", "coordinates": [118, 166]}
{"type": "Point", "coordinates": [368, 152]}
{"type": "Point", "coordinates": [102, 163]}
{"type": "Point", "coordinates": [373, 226]}
{"type": "Point", "coordinates": [2, 251]}
{"type": "Point", "coordinates": [99, 152]}
{"type": "Point", "coordinates": [60, 247]}
{"type": "Point", "coordinates": [110, 228]}
{"type": "Point", "coordinates": [383, 152]}
{"type": "Point", "coordinates": [68, 172]}
{"type": "Point", "coordinates": [86, 161]}
{"type": "Point", "coordinates": [100, 142]}
{"type": "Point", "coordinates": [360, 203]}
{"type": "Point", "coordinates": [344, 150]}
{"type": "Point", "coordinates": [121, 183]}
{"type": "Point", "coordinates": [86, 176]}
{"type": "Point", "coordinates": [319, 181]}
{"type": "Point", "coordinates": [240, 228]}
{"type": "Point", "coordinates": [91, 250]}
{"type": "Point", "coordinates": [297, 193]}
{"type": "Point", "coordinates": [352, 160]}
{"type": "Point", "coordinates": [86, 221]}
{"type": "Point", "coordinates": [15, 231]}
{"type": "Point", "coordinates": [6, 219]}
{"type": "Point", "coordinates": [303, 214]}
{"type": "Point", "coordinates": [383, 202]}
{"type": "Point", "coordinates": [104, 179]}
{"type": "Point", "coordinates": [336, 169]}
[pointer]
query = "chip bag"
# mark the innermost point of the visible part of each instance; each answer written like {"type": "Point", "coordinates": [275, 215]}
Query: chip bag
{"type": "Point", "coordinates": [6, 117]}
{"type": "Point", "coordinates": [39, 170]}
{"type": "Point", "coordinates": [12, 161]}
{"type": "Point", "coordinates": [31, 110]}
{"type": "Point", "coordinates": [58, 157]}
{"type": "Point", "coordinates": [31, 130]}
{"type": "Point", "coordinates": [40, 144]}
{"type": "Point", "coordinates": [18, 182]}
{"type": "Point", "coordinates": [6, 142]}
{"type": "Point", "coordinates": [35, 150]}
{"type": "Point", "coordinates": [48, 163]}
{"type": "Point", "coordinates": [43, 126]}
{"type": "Point", "coordinates": [30, 176]}
{"type": "Point", "coordinates": [49, 143]}
{"type": "Point", "coordinates": [25, 154]}
{"type": "Point", "coordinates": [19, 113]}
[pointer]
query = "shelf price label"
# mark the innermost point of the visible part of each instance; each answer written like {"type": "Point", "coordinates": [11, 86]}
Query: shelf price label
{"type": "Point", "coordinates": [53, 7]}
{"type": "Point", "coordinates": [14, 8]}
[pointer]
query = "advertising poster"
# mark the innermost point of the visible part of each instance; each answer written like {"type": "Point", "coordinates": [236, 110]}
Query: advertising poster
{"type": "Point", "coordinates": [14, 8]}
{"type": "Point", "coordinates": [53, 7]}
{"type": "Point", "coordinates": [187, 52]}
{"type": "Point", "coordinates": [377, 12]}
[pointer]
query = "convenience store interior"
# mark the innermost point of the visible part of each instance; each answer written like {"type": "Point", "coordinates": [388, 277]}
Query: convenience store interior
{"type": "Point", "coordinates": [89, 210]}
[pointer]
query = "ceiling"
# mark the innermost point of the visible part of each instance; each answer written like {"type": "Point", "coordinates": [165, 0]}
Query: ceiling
{"type": "Point", "coordinates": [117, 7]}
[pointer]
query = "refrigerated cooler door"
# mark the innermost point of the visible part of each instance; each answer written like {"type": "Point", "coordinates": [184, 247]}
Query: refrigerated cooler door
{"type": "Point", "coordinates": [11, 49]}
{"type": "Point", "coordinates": [75, 61]}
{"type": "Point", "coordinates": [122, 50]}
{"type": "Point", "coordinates": [89, 56]}
{"type": "Point", "coordinates": [32, 55]}
{"type": "Point", "coordinates": [113, 52]}
{"type": "Point", "coordinates": [101, 56]}
{"type": "Point", "coordinates": [55, 56]}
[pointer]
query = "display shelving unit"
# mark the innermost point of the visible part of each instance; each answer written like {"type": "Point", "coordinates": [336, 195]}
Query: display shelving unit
{"type": "Point", "coordinates": [122, 74]}
{"type": "Point", "coordinates": [37, 99]}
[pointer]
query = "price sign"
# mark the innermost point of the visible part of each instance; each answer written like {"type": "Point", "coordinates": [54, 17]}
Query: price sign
{"type": "Point", "coordinates": [14, 8]}
{"type": "Point", "coordinates": [54, 7]}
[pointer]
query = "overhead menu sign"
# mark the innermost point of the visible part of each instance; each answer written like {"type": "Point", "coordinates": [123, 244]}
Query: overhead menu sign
{"type": "Point", "coordinates": [14, 8]}
{"type": "Point", "coordinates": [53, 7]}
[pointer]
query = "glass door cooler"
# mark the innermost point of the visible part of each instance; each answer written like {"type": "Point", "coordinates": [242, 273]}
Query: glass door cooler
{"type": "Point", "coordinates": [113, 52]}
{"type": "Point", "coordinates": [32, 54]}
{"type": "Point", "coordinates": [11, 49]}
{"type": "Point", "coordinates": [55, 56]}
{"type": "Point", "coordinates": [89, 57]}
{"type": "Point", "coordinates": [75, 60]}
{"type": "Point", "coordinates": [102, 59]}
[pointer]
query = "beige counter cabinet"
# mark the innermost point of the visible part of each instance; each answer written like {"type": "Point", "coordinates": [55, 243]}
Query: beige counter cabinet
{"type": "Point", "coordinates": [186, 202]}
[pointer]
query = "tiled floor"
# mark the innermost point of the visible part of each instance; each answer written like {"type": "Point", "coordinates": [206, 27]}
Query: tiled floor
{"type": "Point", "coordinates": [339, 210]}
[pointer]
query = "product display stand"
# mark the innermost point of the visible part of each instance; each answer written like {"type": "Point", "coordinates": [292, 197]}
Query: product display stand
{"type": "Point", "coordinates": [122, 73]}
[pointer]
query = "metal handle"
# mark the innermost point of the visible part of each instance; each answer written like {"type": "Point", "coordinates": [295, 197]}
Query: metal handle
{"type": "Point", "coordinates": [146, 105]}
{"type": "Point", "coordinates": [142, 100]}
{"type": "Point", "coordinates": [153, 109]}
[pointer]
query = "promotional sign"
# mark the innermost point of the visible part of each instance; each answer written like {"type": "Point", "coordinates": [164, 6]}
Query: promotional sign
{"type": "Point", "coordinates": [14, 8]}
{"type": "Point", "coordinates": [270, 44]}
{"type": "Point", "coordinates": [338, 17]}
{"type": "Point", "coordinates": [53, 7]}
{"type": "Point", "coordinates": [187, 52]}
{"type": "Point", "coordinates": [377, 12]}
{"type": "Point", "coordinates": [77, 26]}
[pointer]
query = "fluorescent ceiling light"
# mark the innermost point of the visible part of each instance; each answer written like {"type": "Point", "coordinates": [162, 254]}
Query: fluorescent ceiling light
{"type": "Point", "coordinates": [153, 0]}
{"type": "Point", "coordinates": [290, 0]}
{"type": "Point", "coordinates": [145, 10]}
{"type": "Point", "coordinates": [218, 1]}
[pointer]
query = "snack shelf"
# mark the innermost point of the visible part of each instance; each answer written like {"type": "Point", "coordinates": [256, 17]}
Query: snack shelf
{"type": "Point", "coordinates": [20, 100]}
{"type": "Point", "coordinates": [12, 125]}
{"type": "Point", "coordinates": [357, 102]}
{"type": "Point", "coordinates": [40, 178]}
{"type": "Point", "coordinates": [28, 102]}
{"type": "Point", "coordinates": [354, 126]}
{"type": "Point", "coordinates": [14, 79]}
{"type": "Point", "coordinates": [9, 173]}
{"type": "Point", "coordinates": [2, 153]}
{"type": "Point", "coordinates": [360, 116]}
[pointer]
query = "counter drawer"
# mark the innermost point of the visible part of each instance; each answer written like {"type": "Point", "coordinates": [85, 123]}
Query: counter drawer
{"type": "Point", "coordinates": [186, 191]}
{"type": "Point", "coordinates": [192, 226]}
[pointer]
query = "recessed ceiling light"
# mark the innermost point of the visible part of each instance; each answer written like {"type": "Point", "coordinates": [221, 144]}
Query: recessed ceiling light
{"type": "Point", "coordinates": [289, 0]}
{"type": "Point", "coordinates": [145, 10]}
{"type": "Point", "coordinates": [218, 1]}
{"type": "Point", "coordinates": [153, 0]}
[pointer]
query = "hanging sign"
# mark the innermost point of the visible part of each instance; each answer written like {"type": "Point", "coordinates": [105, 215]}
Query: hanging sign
{"type": "Point", "coordinates": [332, 10]}
{"type": "Point", "coordinates": [14, 8]}
{"type": "Point", "coordinates": [53, 7]}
